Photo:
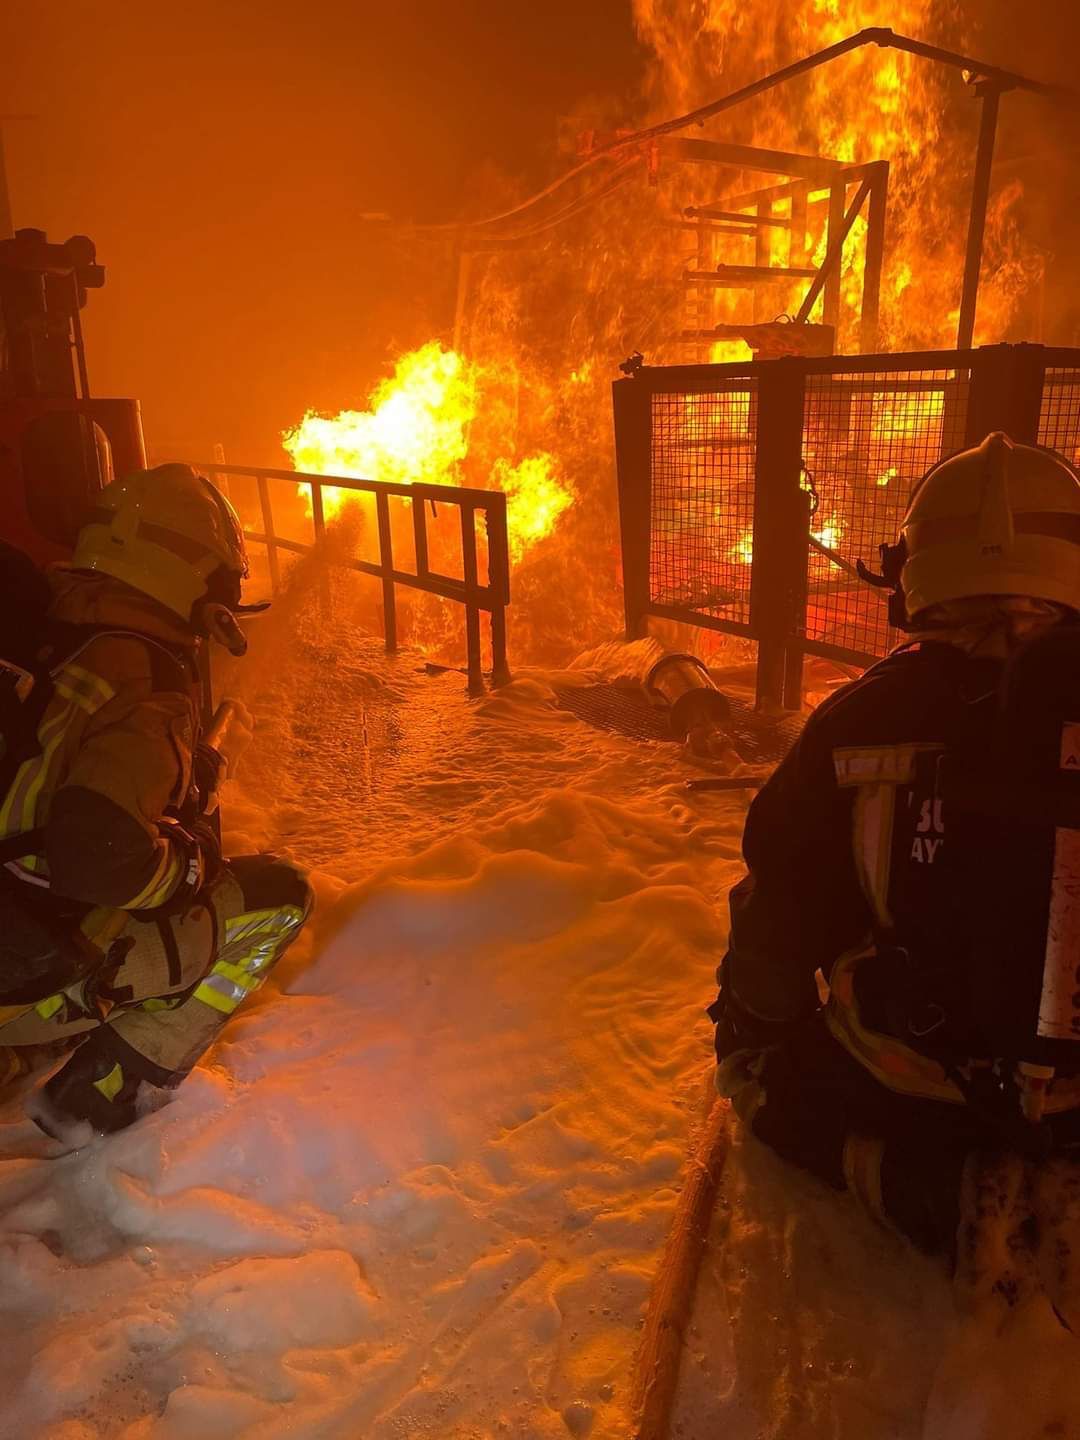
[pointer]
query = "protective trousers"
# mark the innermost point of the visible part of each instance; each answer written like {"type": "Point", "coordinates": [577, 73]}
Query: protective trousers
{"type": "Point", "coordinates": [167, 988]}
{"type": "Point", "coordinates": [901, 1158]}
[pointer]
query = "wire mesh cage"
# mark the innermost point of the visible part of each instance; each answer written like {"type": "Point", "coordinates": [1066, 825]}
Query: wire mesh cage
{"type": "Point", "coordinates": [703, 465]}
{"type": "Point", "coordinates": [712, 459]}
{"type": "Point", "coordinates": [867, 438]}
{"type": "Point", "coordinates": [1059, 414]}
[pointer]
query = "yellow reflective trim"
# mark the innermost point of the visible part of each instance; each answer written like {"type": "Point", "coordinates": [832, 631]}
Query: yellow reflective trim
{"type": "Point", "coordinates": [896, 1066]}
{"type": "Point", "coordinates": [110, 1085]}
{"type": "Point", "coordinates": [877, 764]}
{"type": "Point", "coordinates": [49, 1006]}
{"type": "Point", "coordinates": [873, 817]}
{"type": "Point", "coordinates": [31, 777]}
{"type": "Point", "coordinates": [88, 690]}
{"type": "Point", "coordinates": [215, 999]}
{"type": "Point", "coordinates": [156, 1003]}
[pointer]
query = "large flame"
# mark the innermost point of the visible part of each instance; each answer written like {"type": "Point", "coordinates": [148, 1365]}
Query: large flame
{"type": "Point", "coordinates": [873, 104]}
{"type": "Point", "coordinates": [413, 429]}
{"type": "Point", "coordinates": [417, 428]}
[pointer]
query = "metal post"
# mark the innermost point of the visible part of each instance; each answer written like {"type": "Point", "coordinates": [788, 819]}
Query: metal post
{"type": "Point", "coordinates": [1006, 392]}
{"type": "Point", "coordinates": [499, 585]}
{"type": "Point", "coordinates": [797, 252]}
{"type": "Point", "coordinates": [318, 517]}
{"type": "Point", "coordinates": [833, 285]}
{"type": "Point", "coordinates": [831, 270]}
{"type": "Point", "coordinates": [420, 545]}
{"type": "Point", "coordinates": [980, 194]}
{"type": "Point", "coordinates": [464, 275]}
{"type": "Point", "coordinates": [472, 612]}
{"type": "Point", "coordinates": [875, 257]}
{"type": "Point", "coordinates": [221, 479]}
{"type": "Point", "coordinates": [780, 539]}
{"type": "Point", "coordinates": [386, 565]}
{"type": "Point", "coordinates": [268, 532]}
{"type": "Point", "coordinates": [633, 441]}
{"type": "Point", "coordinates": [762, 255]}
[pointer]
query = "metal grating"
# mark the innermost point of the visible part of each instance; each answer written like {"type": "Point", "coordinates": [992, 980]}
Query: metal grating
{"type": "Point", "coordinates": [703, 462]}
{"type": "Point", "coordinates": [1059, 418]}
{"type": "Point", "coordinates": [867, 438]}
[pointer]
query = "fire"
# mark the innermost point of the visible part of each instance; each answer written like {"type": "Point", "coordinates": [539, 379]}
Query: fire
{"type": "Point", "coordinates": [417, 428]}
{"type": "Point", "coordinates": [873, 104]}
{"type": "Point", "coordinates": [535, 498]}
{"type": "Point", "coordinates": [830, 535]}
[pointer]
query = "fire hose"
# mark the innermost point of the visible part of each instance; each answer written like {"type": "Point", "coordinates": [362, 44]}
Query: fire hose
{"type": "Point", "coordinates": [656, 1365]}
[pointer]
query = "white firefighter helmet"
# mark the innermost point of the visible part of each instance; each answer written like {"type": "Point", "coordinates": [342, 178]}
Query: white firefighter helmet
{"type": "Point", "coordinates": [998, 519]}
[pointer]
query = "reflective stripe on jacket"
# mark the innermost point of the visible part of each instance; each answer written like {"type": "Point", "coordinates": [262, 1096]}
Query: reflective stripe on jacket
{"type": "Point", "coordinates": [116, 746]}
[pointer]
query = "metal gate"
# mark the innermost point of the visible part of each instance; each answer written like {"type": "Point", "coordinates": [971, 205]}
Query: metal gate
{"type": "Point", "coordinates": [748, 492]}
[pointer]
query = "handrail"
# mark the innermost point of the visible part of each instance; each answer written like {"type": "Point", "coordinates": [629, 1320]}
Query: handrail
{"type": "Point", "coordinates": [494, 596]}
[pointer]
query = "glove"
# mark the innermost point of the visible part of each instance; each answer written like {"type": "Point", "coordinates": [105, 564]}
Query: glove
{"type": "Point", "coordinates": [738, 1029]}
{"type": "Point", "coordinates": [208, 771]}
{"type": "Point", "coordinates": [742, 1043]}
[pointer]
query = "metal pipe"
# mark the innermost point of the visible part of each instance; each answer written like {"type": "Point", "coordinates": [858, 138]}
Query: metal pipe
{"type": "Point", "coordinates": [980, 195]}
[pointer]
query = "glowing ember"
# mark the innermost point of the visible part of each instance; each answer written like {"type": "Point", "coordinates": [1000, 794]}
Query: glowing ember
{"type": "Point", "coordinates": [888, 475]}
{"type": "Point", "coordinates": [416, 428]}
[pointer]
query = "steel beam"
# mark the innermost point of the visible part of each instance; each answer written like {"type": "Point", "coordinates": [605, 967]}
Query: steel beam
{"type": "Point", "coordinates": [980, 195]}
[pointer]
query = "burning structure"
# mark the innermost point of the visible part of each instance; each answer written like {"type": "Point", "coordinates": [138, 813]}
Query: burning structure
{"type": "Point", "coordinates": [733, 248]}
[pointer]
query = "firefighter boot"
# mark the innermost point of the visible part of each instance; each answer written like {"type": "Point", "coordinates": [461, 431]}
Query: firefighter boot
{"type": "Point", "coordinates": [1057, 1209]}
{"type": "Point", "coordinates": [94, 1087]}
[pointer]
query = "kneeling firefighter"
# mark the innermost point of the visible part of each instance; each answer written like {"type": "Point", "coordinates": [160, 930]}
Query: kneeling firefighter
{"type": "Point", "coordinates": [119, 920]}
{"type": "Point", "coordinates": [900, 990]}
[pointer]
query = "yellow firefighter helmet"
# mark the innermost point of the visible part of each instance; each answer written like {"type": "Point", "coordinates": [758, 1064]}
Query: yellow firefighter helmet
{"type": "Point", "coordinates": [165, 531]}
{"type": "Point", "coordinates": [998, 519]}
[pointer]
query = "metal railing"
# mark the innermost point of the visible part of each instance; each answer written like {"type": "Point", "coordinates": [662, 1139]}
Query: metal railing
{"type": "Point", "coordinates": [747, 492]}
{"type": "Point", "coordinates": [468, 590]}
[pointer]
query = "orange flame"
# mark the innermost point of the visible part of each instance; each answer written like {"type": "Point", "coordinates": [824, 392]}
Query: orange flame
{"type": "Point", "coordinates": [416, 428]}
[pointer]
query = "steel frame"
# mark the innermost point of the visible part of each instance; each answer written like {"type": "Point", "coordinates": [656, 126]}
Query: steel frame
{"type": "Point", "coordinates": [494, 596]}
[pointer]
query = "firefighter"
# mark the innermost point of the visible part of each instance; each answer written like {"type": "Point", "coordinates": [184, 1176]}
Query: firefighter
{"type": "Point", "coordinates": [122, 858]}
{"type": "Point", "coordinates": [881, 1008]}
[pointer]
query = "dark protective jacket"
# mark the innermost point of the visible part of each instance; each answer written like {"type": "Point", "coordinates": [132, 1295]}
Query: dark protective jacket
{"type": "Point", "coordinates": [869, 867]}
{"type": "Point", "coordinates": [116, 751]}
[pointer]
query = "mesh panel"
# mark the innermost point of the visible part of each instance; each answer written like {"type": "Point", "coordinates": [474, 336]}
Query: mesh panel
{"type": "Point", "coordinates": [703, 455]}
{"type": "Point", "coordinates": [1059, 419]}
{"type": "Point", "coordinates": [867, 439]}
